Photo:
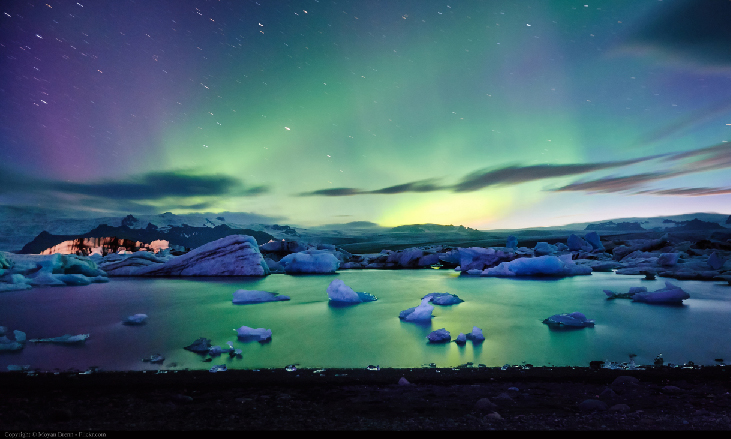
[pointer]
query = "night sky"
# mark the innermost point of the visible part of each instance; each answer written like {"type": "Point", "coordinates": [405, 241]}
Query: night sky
{"type": "Point", "coordinates": [489, 114]}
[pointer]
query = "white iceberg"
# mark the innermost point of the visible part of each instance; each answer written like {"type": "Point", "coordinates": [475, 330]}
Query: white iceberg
{"type": "Point", "coordinates": [259, 334]}
{"type": "Point", "coordinates": [256, 296]}
{"type": "Point", "coordinates": [337, 291]}
{"type": "Point", "coordinates": [574, 319]}
{"type": "Point", "coordinates": [670, 294]}
{"type": "Point", "coordinates": [421, 313]}
{"type": "Point", "coordinates": [310, 261]}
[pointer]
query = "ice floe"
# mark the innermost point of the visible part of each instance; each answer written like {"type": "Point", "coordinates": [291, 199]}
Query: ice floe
{"type": "Point", "coordinates": [64, 339]}
{"type": "Point", "coordinates": [421, 313]}
{"type": "Point", "coordinates": [439, 336]}
{"type": "Point", "coordinates": [574, 320]}
{"type": "Point", "coordinates": [310, 261]}
{"type": "Point", "coordinates": [259, 334]}
{"type": "Point", "coordinates": [337, 291]}
{"type": "Point", "coordinates": [137, 319]}
{"type": "Point", "coordinates": [444, 299]}
{"type": "Point", "coordinates": [256, 296]}
{"type": "Point", "coordinates": [560, 266]}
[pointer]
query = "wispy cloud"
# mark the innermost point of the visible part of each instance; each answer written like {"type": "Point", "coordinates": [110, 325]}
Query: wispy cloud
{"type": "Point", "coordinates": [688, 192]}
{"type": "Point", "coordinates": [608, 185]}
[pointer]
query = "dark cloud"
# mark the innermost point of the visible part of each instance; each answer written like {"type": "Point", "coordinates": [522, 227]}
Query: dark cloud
{"type": "Point", "coordinates": [150, 187]}
{"type": "Point", "coordinates": [335, 192]}
{"type": "Point", "coordinates": [415, 186]}
{"type": "Point", "coordinates": [697, 30]}
{"type": "Point", "coordinates": [614, 184]}
{"type": "Point", "coordinates": [688, 192]}
{"type": "Point", "coordinates": [520, 174]}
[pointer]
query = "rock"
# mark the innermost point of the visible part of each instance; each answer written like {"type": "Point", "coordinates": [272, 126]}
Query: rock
{"type": "Point", "coordinates": [672, 389]}
{"type": "Point", "coordinates": [421, 313]}
{"type": "Point", "coordinates": [234, 255]}
{"type": "Point", "coordinates": [403, 382]}
{"type": "Point", "coordinates": [619, 408]}
{"type": "Point", "coordinates": [503, 399]}
{"type": "Point", "coordinates": [485, 405]}
{"type": "Point", "coordinates": [592, 405]}
{"type": "Point", "coordinates": [625, 381]}
{"type": "Point", "coordinates": [439, 336]}
{"type": "Point", "coordinates": [242, 297]}
{"type": "Point", "coordinates": [575, 319]}
{"type": "Point", "coordinates": [607, 394]}
{"type": "Point", "coordinates": [200, 346]}
{"type": "Point", "coordinates": [494, 416]}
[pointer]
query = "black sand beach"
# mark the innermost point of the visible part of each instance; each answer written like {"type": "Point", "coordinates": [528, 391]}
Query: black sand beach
{"type": "Point", "coordinates": [470, 398]}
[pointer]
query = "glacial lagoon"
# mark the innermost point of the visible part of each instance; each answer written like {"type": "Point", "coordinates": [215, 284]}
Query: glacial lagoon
{"type": "Point", "coordinates": [311, 332]}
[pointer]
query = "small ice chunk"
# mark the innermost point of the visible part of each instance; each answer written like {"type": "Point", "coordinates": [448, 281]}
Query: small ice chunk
{"type": "Point", "coordinates": [64, 339]}
{"type": "Point", "coordinates": [256, 296]}
{"type": "Point", "coordinates": [337, 291]}
{"type": "Point", "coordinates": [137, 319]}
{"type": "Point", "coordinates": [574, 319]}
{"type": "Point", "coordinates": [259, 334]}
{"type": "Point", "coordinates": [439, 336]}
{"type": "Point", "coordinates": [218, 368]}
{"type": "Point", "coordinates": [670, 294]}
{"type": "Point", "coordinates": [476, 335]}
{"type": "Point", "coordinates": [444, 299]}
{"type": "Point", "coordinates": [461, 338]}
{"type": "Point", "coordinates": [419, 313]}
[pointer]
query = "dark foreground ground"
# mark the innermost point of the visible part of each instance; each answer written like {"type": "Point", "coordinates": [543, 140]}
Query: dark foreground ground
{"type": "Point", "coordinates": [358, 399]}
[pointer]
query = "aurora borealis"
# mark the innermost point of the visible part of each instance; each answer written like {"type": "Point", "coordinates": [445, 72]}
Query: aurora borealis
{"type": "Point", "coordinates": [488, 114]}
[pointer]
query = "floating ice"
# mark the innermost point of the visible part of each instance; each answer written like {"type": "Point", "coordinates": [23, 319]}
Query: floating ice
{"type": "Point", "coordinates": [575, 319]}
{"type": "Point", "coordinates": [337, 291]}
{"type": "Point", "coordinates": [310, 261]}
{"type": "Point", "coordinates": [64, 339]}
{"type": "Point", "coordinates": [444, 298]}
{"type": "Point", "coordinates": [421, 313]}
{"type": "Point", "coordinates": [218, 368]}
{"type": "Point", "coordinates": [544, 248]}
{"type": "Point", "coordinates": [12, 345]}
{"type": "Point", "coordinates": [670, 294]}
{"type": "Point", "coordinates": [259, 334]}
{"type": "Point", "coordinates": [512, 242]}
{"type": "Point", "coordinates": [154, 359]}
{"type": "Point", "coordinates": [137, 319]}
{"type": "Point", "coordinates": [540, 266]}
{"type": "Point", "coordinates": [439, 336]}
{"type": "Point", "coordinates": [256, 296]}
{"type": "Point", "coordinates": [461, 338]}
{"type": "Point", "coordinates": [628, 295]}
{"type": "Point", "coordinates": [476, 335]}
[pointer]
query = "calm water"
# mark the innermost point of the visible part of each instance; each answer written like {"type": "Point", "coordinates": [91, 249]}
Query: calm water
{"type": "Point", "coordinates": [310, 332]}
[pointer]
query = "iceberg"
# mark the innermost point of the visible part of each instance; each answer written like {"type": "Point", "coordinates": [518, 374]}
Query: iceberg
{"type": "Point", "coordinates": [421, 313]}
{"type": "Point", "coordinates": [593, 239]}
{"type": "Point", "coordinates": [444, 299]}
{"type": "Point", "coordinates": [256, 296]}
{"type": "Point", "coordinates": [137, 319]}
{"type": "Point", "coordinates": [574, 320]}
{"type": "Point", "coordinates": [627, 295]}
{"type": "Point", "coordinates": [310, 261]}
{"type": "Point", "coordinates": [560, 266]}
{"type": "Point", "coordinates": [439, 336]}
{"type": "Point", "coordinates": [233, 255]}
{"type": "Point", "coordinates": [670, 294]}
{"type": "Point", "coordinates": [259, 334]}
{"type": "Point", "coordinates": [544, 248]}
{"type": "Point", "coordinates": [337, 291]}
{"type": "Point", "coordinates": [461, 339]}
{"type": "Point", "coordinates": [512, 242]}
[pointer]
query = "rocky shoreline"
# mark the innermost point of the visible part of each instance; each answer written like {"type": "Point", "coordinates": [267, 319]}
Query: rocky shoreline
{"type": "Point", "coordinates": [465, 398]}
